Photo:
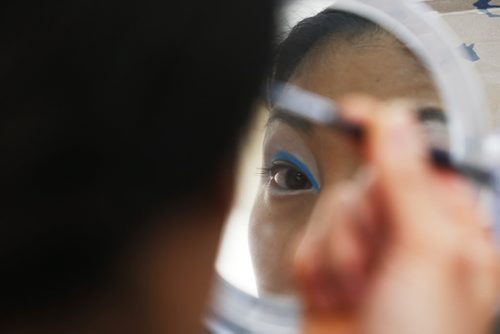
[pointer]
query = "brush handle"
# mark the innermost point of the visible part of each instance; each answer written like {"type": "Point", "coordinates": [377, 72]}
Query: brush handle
{"type": "Point", "coordinates": [438, 157]}
{"type": "Point", "coordinates": [442, 159]}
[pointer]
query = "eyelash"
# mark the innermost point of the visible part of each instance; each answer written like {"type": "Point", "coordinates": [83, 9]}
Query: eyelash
{"type": "Point", "coordinates": [265, 172]}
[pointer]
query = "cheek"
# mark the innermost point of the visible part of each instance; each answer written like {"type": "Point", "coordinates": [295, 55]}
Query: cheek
{"type": "Point", "coordinates": [276, 225]}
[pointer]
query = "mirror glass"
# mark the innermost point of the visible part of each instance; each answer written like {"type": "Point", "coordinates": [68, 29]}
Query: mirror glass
{"type": "Point", "coordinates": [286, 162]}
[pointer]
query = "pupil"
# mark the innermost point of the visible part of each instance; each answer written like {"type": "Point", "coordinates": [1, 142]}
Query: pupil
{"type": "Point", "coordinates": [296, 180]}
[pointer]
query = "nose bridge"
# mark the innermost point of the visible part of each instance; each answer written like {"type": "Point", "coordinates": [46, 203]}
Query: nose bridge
{"type": "Point", "coordinates": [337, 154]}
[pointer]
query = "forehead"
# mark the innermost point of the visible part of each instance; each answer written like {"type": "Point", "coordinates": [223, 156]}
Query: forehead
{"type": "Point", "coordinates": [378, 65]}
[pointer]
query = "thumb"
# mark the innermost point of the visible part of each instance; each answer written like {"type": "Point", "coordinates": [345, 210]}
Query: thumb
{"type": "Point", "coordinates": [395, 147]}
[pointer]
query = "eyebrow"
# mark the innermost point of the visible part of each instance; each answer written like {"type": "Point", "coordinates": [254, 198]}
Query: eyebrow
{"type": "Point", "coordinates": [300, 124]}
{"type": "Point", "coordinates": [432, 114]}
{"type": "Point", "coordinates": [424, 114]}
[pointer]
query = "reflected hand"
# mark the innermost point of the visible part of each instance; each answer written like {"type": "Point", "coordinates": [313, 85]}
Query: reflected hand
{"type": "Point", "coordinates": [403, 248]}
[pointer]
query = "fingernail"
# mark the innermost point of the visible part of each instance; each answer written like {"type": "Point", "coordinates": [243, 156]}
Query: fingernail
{"type": "Point", "coordinates": [357, 108]}
{"type": "Point", "coordinates": [401, 133]}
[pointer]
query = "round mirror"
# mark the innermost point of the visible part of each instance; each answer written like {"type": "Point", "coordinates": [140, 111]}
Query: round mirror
{"type": "Point", "coordinates": [391, 50]}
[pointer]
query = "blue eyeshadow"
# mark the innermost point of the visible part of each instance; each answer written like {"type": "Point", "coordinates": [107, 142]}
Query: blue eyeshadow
{"type": "Point", "coordinates": [285, 156]}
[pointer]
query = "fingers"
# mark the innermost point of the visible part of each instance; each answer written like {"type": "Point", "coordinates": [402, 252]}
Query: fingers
{"type": "Point", "coordinates": [422, 221]}
{"type": "Point", "coordinates": [394, 146]}
{"type": "Point", "coordinates": [396, 149]}
{"type": "Point", "coordinates": [335, 254]}
{"type": "Point", "coordinates": [433, 213]}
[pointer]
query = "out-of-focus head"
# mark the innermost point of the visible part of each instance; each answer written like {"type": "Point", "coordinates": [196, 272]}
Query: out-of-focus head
{"type": "Point", "coordinates": [333, 54]}
{"type": "Point", "coordinates": [118, 121]}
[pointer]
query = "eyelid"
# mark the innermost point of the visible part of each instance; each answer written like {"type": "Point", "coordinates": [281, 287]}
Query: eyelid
{"type": "Point", "coordinates": [285, 156]}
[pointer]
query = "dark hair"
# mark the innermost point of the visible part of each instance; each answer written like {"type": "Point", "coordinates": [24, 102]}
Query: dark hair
{"type": "Point", "coordinates": [110, 111]}
{"type": "Point", "coordinates": [312, 32]}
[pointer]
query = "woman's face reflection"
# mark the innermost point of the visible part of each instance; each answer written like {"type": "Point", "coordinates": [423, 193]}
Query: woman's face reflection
{"type": "Point", "coordinates": [301, 160]}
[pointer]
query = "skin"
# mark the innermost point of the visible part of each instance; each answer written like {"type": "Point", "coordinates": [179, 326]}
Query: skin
{"type": "Point", "coordinates": [392, 251]}
{"type": "Point", "coordinates": [377, 65]}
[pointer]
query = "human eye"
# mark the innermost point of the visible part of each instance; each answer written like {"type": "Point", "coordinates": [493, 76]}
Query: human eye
{"type": "Point", "coordinates": [285, 176]}
{"type": "Point", "coordinates": [287, 173]}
